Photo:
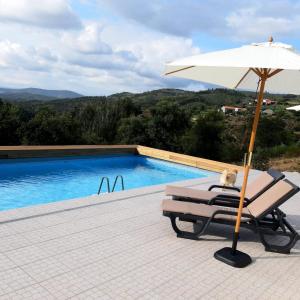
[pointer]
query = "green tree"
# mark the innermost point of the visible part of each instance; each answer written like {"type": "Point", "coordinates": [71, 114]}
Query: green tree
{"type": "Point", "coordinates": [204, 139]}
{"type": "Point", "coordinates": [272, 132]}
{"type": "Point", "coordinates": [50, 128]}
{"type": "Point", "coordinates": [166, 125]}
{"type": "Point", "coordinates": [10, 122]}
{"type": "Point", "coordinates": [133, 130]}
{"type": "Point", "coordinates": [100, 120]}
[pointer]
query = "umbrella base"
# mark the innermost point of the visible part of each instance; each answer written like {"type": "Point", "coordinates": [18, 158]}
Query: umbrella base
{"type": "Point", "coordinates": [235, 259]}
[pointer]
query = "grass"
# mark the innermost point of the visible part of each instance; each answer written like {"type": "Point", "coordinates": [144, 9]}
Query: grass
{"type": "Point", "coordinates": [286, 164]}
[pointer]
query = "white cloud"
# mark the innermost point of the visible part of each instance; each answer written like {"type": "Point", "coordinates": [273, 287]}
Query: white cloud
{"type": "Point", "coordinates": [249, 24]}
{"type": "Point", "coordinates": [135, 59]}
{"type": "Point", "coordinates": [98, 59]}
{"type": "Point", "coordinates": [108, 56]}
{"type": "Point", "coordinates": [175, 17]}
{"type": "Point", "coordinates": [151, 50]}
{"type": "Point", "coordinates": [241, 20]}
{"type": "Point", "coordinates": [89, 40]}
{"type": "Point", "coordinates": [14, 55]}
{"type": "Point", "coordinates": [42, 13]}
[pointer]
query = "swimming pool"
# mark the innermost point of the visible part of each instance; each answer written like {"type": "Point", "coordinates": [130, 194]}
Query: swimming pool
{"type": "Point", "coordinates": [25, 182]}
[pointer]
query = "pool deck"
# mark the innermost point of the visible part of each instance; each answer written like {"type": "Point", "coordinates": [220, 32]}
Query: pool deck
{"type": "Point", "coordinates": [119, 246]}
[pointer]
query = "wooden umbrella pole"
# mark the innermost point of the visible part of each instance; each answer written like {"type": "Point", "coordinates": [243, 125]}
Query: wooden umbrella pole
{"type": "Point", "coordinates": [247, 166]}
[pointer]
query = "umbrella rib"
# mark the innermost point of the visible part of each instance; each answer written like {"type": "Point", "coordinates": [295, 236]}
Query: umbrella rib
{"type": "Point", "coordinates": [256, 71]}
{"type": "Point", "coordinates": [242, 78]}
{"type": "Point", "coordinates": [182, 69]}
{"type": "Point", "coordinates": [274, 72]}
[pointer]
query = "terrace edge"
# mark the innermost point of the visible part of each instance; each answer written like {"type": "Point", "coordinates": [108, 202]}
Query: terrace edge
{"type": "Point", "coordinates": [197, 162]}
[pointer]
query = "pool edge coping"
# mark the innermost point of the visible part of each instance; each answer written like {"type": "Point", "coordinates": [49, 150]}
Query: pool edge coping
{"type": "Point", "coordinates": [39, 210]}
{"type": "Point", "coordinates": [11, 152]}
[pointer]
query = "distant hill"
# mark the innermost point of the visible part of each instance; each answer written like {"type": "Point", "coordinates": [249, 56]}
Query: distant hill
{"type": "Point", "coordinates": [186, 98]}
{"type": "Point", "coordinates": [195, 101]}
{"type": "Point", "coordinates": [29, 94]}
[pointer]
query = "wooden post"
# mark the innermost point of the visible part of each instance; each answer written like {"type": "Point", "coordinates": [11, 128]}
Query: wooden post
{"type": "Point", "coordinates": [263, 76]}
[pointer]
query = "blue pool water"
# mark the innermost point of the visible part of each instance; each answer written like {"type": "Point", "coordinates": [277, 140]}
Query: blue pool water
{"type": "Point", "coordinates": [25, 182]}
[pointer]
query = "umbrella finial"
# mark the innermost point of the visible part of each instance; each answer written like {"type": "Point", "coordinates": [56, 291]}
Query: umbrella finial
{"type": "Point", "coordinates": [271, 39]}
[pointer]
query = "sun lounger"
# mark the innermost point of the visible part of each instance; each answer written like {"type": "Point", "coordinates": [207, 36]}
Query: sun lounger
{"type": "Point", "coordinates": [254, 216]}
{"type": "Point", "coordinates": [254, 189]}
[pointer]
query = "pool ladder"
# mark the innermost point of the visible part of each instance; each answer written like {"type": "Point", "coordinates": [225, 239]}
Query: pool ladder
{"type": "Point", "coordinates": [106, 179]}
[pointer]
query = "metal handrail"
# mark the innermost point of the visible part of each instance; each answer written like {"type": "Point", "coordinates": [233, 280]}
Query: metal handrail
{"type": "Point", "coordinates": [122, 182]}
{"type": "Point", "coordinates": [107, 184]}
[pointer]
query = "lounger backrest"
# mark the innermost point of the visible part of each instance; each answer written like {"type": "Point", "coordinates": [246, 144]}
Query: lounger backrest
{"type": "Point", "coordinates": [259, 185]}
{"type": "Point", "coordinates": [272, 198]}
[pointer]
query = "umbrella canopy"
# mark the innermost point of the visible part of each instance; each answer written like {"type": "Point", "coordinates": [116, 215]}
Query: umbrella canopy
{"type": "Point", "coordinates": [236, 68]}
{"type": "Point", "coordinates": [274, 66]}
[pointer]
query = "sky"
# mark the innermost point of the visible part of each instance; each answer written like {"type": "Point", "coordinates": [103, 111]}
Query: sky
{"type": "Point", "coordinates": [101, 47]}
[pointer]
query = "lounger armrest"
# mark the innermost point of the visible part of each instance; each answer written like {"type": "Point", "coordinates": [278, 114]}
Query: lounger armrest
{"type": "Point", "coordinates": [231, 196]}
{"type": "Point", "coordinates": [224, 187]}
{"type": "Point", "coordinates": [229, 213]}
{"type": "Point", "coordinates": [277, 175]}
{"type": "Point", "coordinates": [231, 200]}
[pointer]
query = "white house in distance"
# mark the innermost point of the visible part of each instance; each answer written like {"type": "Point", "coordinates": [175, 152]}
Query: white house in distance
{"type": "Point", "coordinates": [231, 109]}
{"type": "Point", "coordinates": [267, 101]}
{"type": "Point", "coordinates": [295, 108]}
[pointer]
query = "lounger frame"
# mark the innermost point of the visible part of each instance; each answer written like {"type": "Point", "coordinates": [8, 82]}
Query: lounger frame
{"type": "Point", "coordinates": [269, 223]}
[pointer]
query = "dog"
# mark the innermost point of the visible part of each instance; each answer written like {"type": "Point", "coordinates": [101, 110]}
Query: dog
{"type": "Point", "coordinates": [228, 177]}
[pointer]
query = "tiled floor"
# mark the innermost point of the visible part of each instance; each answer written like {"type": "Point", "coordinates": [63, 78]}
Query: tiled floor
{"type": "Point", "coordinates": [118, 246]}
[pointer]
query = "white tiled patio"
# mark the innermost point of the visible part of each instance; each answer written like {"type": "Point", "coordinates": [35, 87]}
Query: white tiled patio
{"type": "Point", "coordinates": [119, 246]}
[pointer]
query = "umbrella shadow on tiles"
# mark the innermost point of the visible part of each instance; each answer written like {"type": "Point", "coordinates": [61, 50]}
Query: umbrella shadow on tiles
{"type": "Point", "coordinates": [219, 232]}
{"type": "Point", "coordinates": [295, 221]}
{"type": "Point", "coordinates": [295, 253]}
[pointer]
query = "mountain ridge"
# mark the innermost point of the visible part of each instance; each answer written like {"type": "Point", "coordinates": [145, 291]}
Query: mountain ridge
{"type": "Point", "coordinates": [24, 94]}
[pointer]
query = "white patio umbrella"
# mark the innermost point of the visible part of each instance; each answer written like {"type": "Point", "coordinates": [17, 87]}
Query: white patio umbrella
{"type": "Point", "coordinates": [274, 66]}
